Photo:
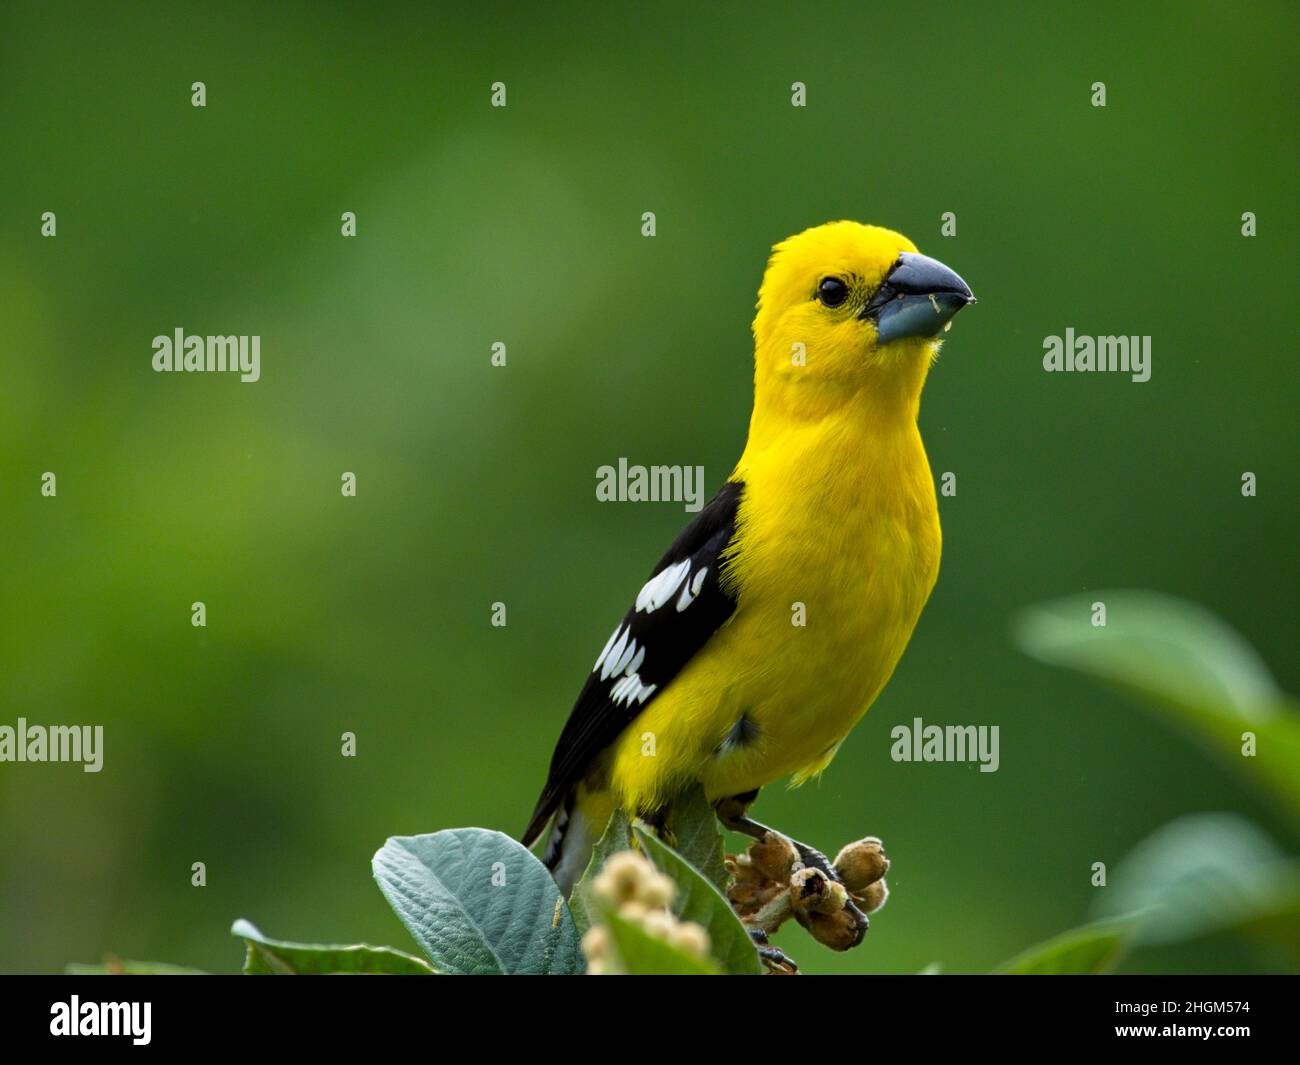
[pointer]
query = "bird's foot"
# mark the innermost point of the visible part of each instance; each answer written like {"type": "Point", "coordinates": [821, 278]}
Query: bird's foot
{"type": "Point", "coordinates": [814, 859]}
{"type": "Point", "coordinates": [779, 867]}
{"type": "Point", "coordinates": [774, 959]}
{"type": "Point", "coordinates": [658, 820]}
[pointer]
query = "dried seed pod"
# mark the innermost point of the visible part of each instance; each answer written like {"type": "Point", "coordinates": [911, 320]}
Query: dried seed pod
{"type": "Point", "coordinates": [862, 863]}
{"type": "Point", "coordinates": [839, 930]}
{"type": "Point", "coordinates": [773, 856]}
{"type": "Point", "coordinates": [873, 896]}
{"type": "Point", "coordinates": [812, 891]}
{"type": "Point", "coordinates": [744, 896]}
{"type": "Point", "coordinates": [752, 886]}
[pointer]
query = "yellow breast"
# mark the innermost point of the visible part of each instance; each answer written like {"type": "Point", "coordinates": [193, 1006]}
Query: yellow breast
{"type": "Point", "coordinates": [839, 549]}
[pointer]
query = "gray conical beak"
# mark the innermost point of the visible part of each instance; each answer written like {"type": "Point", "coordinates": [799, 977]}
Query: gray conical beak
{"type": "Point", "coordinates": [918, 298]}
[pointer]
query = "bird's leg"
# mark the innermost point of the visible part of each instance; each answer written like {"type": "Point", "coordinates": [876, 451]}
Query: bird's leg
{"type": "Point", "coordinates": [772, 957]}
{"type": "Point", "coordinates": [658, 820]}
{"type": "Point", "coordinates": [733, 813]}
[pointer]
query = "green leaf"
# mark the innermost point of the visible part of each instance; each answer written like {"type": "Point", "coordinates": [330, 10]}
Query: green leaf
{"type": "Point", "coordinates": [1163, 647]}
{"type": "Point", "coordinates": [643, 955]}
{"type": "Point", "coordinates": [699, 901]}
{"type": "Point", "coordinates": [478, 902]}
{"type": "Point", "coordinates": [275, 957]}
{"type": "Point", "coordinates": [1204, 874]}
{"type": "Point", "coordinates": [616, 837]}
{"type": "Point", "coordinates": [1185, 664]}
{"type": "Point", "coordinates": [1084, 951]}
{"type": "Point", "coordinates": [119, 967]}
{"type": "Point", "coordinates": [697, 838]}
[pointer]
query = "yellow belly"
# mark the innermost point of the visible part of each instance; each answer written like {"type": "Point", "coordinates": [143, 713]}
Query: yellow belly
{"type": "Point", "coordinates": [854, 558]}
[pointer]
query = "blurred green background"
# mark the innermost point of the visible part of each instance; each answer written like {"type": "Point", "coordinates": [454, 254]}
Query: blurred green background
{"type": "Point", "coordinates": [476, 484]}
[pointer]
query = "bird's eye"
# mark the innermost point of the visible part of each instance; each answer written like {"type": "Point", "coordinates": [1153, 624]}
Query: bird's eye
{"type": "Point", "coordinates": [832, 291]}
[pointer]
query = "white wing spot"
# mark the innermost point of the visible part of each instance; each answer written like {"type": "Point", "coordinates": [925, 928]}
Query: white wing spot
{"type": "Point", "coordinates": [689, 592]}
{"type": "Point", "coordinates": [626, 657]}
{"type": "Point", "coordinates": [610, 643]}
{"type": "Point", "coordinates": [623, 688]}
{"type": "Point", "coordinates": [659, 589]}
{"type": "Point", "coordinates": [630, 687]}
{"type": "Point", "coordinates": [614, 654]}
{"type": "Point", "coordinates": [636, 662]}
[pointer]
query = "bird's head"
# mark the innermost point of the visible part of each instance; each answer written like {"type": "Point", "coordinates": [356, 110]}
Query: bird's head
{"type": "Point", "coordinates": [849, 309]}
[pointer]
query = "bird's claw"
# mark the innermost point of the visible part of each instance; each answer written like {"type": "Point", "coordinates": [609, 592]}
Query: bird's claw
{"type": "Point", "coordinates": [815, 859]}
{"type": "Point", "coordinates": [774, 959]}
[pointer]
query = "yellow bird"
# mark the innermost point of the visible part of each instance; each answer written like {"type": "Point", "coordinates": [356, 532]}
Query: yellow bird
{"type": "Point", "coordinates": [777, 616]}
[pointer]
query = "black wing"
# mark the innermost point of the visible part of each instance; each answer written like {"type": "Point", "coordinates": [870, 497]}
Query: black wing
{"type": "Point", "coordinates": [677, 610]}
